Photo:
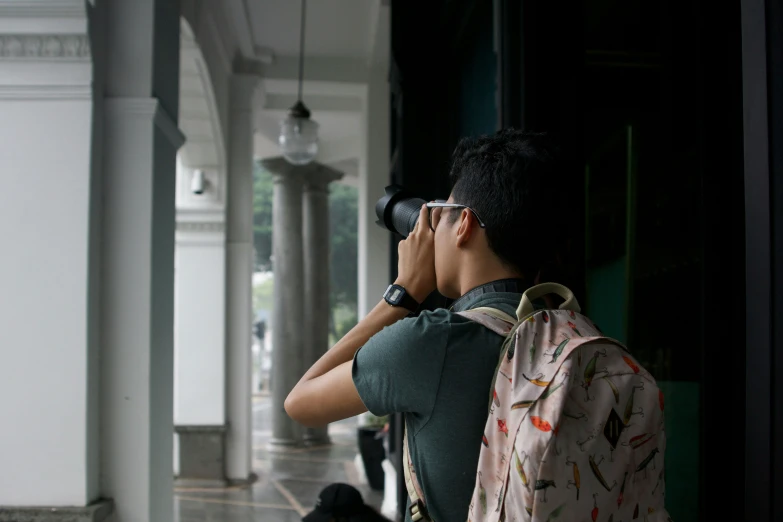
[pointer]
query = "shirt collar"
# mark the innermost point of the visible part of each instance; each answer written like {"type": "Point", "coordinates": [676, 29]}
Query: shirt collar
{"type": "Point", "coordinates": [514, 286]}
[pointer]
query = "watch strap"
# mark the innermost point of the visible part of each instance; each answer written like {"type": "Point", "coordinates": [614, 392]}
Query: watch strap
{"type": "Point", "coordinates": [409, 303]}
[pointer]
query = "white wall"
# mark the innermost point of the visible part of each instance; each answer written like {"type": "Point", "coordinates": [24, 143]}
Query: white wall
{"type": "Point", "coordinates": [199, 304]}
{"type": "Point", "coordinates": [48, 258]}
{"type": "Point", "coordinates": [44, 226]}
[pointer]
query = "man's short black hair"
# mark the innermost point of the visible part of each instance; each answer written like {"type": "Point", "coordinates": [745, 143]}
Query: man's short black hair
{"type": "Point", "coordinates": [514, 180]}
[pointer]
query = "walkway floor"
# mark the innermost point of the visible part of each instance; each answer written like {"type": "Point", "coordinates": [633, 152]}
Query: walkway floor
{"type": "Point", "coordinates": [288, 484]}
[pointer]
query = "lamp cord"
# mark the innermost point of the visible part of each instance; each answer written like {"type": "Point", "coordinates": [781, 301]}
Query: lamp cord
{"type": "Point", "coordinates": [301, 47]}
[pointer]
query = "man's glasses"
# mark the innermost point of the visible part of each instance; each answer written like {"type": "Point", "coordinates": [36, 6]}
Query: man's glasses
{"type": "Point", "coordinates": [436, 209]}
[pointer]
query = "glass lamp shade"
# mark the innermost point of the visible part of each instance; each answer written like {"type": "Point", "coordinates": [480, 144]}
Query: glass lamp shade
{"type": "Point", "coordinates": [298, 139]}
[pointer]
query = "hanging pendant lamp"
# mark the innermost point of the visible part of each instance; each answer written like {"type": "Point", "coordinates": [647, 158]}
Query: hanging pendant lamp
{"type": "Point", "coordinates": [298, 133]}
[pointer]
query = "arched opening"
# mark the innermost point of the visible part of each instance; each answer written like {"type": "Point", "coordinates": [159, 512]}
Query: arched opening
{"type": "Point", "coordinates": [200, 369]}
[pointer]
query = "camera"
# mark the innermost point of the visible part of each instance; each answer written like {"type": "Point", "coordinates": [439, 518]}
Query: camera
{"type": "Point", "coordinates": [398, 210]}
{"type": "Point", "coordinates": [198, 182]}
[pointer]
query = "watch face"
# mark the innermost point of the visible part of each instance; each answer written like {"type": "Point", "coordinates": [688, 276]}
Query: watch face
{"type": "Point", "coordinates": [395, 295]}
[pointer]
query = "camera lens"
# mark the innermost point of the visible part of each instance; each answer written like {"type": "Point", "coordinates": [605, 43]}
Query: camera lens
{"type": "Point", "coordinates": [398, 210]}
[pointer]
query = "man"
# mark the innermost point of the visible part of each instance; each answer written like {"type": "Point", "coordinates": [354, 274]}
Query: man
{"type": "Point", "coordinates": [489, 246]}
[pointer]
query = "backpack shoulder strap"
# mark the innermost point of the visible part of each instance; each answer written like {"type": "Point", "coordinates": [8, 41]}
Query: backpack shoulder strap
{"type": "Point", "coordinates": [418, 507]}
{"type": "Point", "coordinates": [499, 322]}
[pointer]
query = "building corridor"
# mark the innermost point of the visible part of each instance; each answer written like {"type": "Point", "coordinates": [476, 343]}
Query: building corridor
{"type": "Point", "coordinates": [288, 483]}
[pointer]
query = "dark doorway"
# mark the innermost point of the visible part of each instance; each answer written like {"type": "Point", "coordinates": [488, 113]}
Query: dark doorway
{"type": "Point", "coordinates": [647, 99]}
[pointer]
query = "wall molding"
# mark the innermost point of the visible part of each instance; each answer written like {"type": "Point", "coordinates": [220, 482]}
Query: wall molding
{"type": "Point", "coordinates": [74, 47]}
{"type": "Point", "coordinates": [48, 9]}
{"type": "Point", "coordinates": [45, 92]}
{"type": "Point", "coordinates": [196, 226]}
{"type": "Point", "coordinates": [208, 213]}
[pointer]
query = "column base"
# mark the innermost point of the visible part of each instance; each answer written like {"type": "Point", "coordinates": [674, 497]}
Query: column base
{"type": "Point", "coordinates": [181, 482]}
{"type": "Point", "coordinates": [96, 512]}
{"type": "Point", "coordinates": [252, 479]}
{"type": "Point", "coordinates": [202, 456]}
{"type": "Point", "coordinates": [317, 437]}
{"type": "Point", "coordinates": [282, 445]}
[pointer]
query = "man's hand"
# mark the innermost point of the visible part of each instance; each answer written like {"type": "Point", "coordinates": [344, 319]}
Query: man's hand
{"type": "Point", "coordinates": [416, 265]}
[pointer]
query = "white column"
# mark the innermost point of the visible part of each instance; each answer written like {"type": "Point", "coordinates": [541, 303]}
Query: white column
{"type": "Point", "coordinates": [199, 329]}
{"type": "Point", "coordinates": [373, 177]}
{"type": "Point", "coordinates": [288, 308]}
{"type": "Point", "coordinates": [316, 273]}
{"type": "Point", "coordinates": [239, 280]}
{"type": "Point", "coordinates": [49, 213]}
{"type": "Point", "coordinates": [141, 139]}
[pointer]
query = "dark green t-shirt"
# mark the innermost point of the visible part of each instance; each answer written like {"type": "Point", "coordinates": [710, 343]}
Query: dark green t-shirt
{"type": "Point", "coordinates": [437, 368]}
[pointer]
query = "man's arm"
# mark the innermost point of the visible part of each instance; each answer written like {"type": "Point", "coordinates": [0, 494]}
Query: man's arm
{"type": "Point", "coordinates": [326, 393]}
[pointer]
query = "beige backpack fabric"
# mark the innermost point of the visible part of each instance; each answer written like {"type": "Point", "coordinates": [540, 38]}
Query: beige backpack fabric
{"type": "Point", "coordinates": [575, 428]}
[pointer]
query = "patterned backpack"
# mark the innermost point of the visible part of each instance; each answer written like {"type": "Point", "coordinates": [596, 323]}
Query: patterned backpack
{"type": "Point", "coordinates": [575, 428]}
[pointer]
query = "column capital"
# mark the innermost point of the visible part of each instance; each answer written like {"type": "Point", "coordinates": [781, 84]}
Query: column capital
{"type": "Point", "coordinates": [315, 176]}
{"type": "Point", "coordinates": [245, 89]}
{"type": "Point", "coordinates": [282, 171]}
{"type": "Point", "coordinates": [318, 177]}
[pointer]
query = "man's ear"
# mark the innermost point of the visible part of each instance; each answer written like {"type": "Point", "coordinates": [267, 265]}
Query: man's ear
{"type": "Point", "coordinates": [467, 222]}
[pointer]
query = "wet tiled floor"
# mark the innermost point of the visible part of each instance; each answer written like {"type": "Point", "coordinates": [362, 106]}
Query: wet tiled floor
{"type": "Point", "coordinates": [288, 483]}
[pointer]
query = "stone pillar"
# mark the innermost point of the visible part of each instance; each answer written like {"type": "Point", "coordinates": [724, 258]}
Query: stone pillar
{"type": "Point", "coordinates": [50, 205]}
{"type": "Point", "coordinates": [239, 280]}
{"type": "Point", "coordinates": [140, 65]}
{"type": "Point", "coordinates": [316, 273]}
{"type": "Point", "coordinates": [288, 315]}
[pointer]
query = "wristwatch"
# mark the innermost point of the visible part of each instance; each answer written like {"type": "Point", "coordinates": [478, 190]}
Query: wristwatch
{"type": "Point", "coordinates": [396, 295]}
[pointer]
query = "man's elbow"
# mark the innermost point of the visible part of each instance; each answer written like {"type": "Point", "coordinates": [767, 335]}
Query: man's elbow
{"type": "Point", "coordinates": [290, 405]}
{"type": "Point", "coordinates": [294, 408]}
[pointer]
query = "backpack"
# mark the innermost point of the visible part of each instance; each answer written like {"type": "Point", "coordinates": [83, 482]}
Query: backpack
{"type": "Point", "coordinates": [575, 429]}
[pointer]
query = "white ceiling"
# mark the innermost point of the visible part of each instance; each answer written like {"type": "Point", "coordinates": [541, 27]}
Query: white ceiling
{"type": "Point", "coordinates": [333, 28]}
{"type": "Point", "coordinates": [343, 39]}
{"type": "Point", "coordinates": [340, 45]}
